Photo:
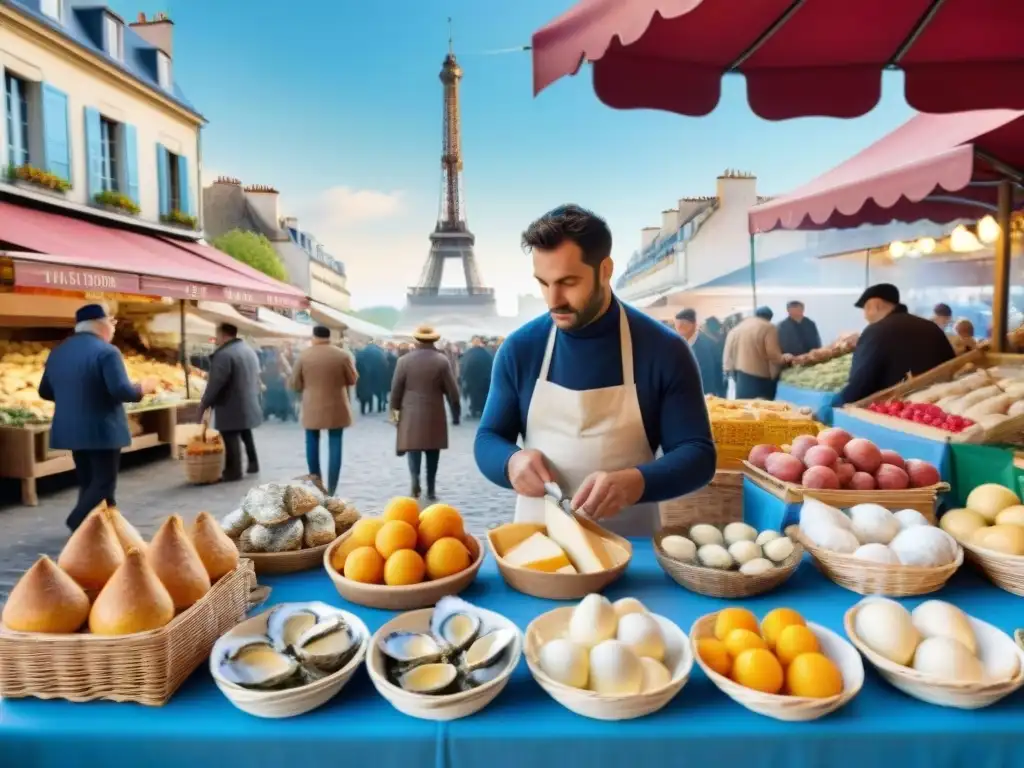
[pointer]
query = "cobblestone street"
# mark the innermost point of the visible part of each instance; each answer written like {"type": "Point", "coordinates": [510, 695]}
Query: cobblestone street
{"type": "Point", "coordinates": [151, 487]}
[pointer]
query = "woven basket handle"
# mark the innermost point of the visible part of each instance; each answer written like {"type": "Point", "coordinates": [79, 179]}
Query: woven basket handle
{"type": "Point", "coordinates": [205, 425]}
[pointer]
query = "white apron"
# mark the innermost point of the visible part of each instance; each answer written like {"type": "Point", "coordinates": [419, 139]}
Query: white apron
{"type": "Point", "coordinates": [590, 431]}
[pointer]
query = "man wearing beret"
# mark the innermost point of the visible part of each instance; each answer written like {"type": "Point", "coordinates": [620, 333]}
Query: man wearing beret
{"type": "Point", "coordinates": [86, 380]}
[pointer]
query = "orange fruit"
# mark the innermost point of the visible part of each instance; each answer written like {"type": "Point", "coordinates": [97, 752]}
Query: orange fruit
{"type": "Point", "coordinates": [715, 655]}
{"type": "Point", "coordinates": [757, 668]}
{"type": "Point", "coordinates": [404, 567]}
{"type": "Point", "coordinates": [739, 640]}
{"type": "Point", "coordinates": [403, 508]}
{"type": "Point", "coordinates": [438, 521]}
{"type": "Point", "coordinates": [777, 620]}
{"type": "Point", "coordinates": [341, 552]}
{"type": "Point", "coordinates": [365, 565]}
{"type": "Point", "coordinates": [793, 641]}
{"type": "Point", "coordinates": [813, 675]}
{"type": "Point", "coordinates": [364, 532]}
{"type": "Point", "coordinates": [393, 536]}
{"type": "Point", "coordinates": [729, 619]}
{"type": "Point", "coordinates": [446, 557]}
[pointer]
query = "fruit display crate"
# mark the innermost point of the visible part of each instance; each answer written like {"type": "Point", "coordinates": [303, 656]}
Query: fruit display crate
{"type": "Point", "coordinates": [735, 437]}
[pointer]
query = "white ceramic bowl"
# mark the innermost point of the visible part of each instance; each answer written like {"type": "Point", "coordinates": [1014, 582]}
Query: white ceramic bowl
{"type": "Point", "coordinates": [291, 701]}
{"type": "Point", "coordinates": [555, 624]}
{"type": "Point", "coordinates": [449, 706]}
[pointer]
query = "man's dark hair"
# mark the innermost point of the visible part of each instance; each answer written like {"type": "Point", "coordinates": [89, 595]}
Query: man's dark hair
{"type": "Point", "coordinates": [229, 330]}
{"type": "Point", "coordinates": [578, 225]}
{"type": "Point", "coordinates": [689, 315]}
{"type": "Point", "coordinates": [765, 313]}
{"type": "Point", "coordinates": [794, 304]}
{"type": "Point", "coordinates": [942, 310]}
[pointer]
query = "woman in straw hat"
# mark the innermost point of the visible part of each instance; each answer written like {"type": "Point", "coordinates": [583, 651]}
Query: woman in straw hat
{"type": "Point", "coordinates": [423, 380]}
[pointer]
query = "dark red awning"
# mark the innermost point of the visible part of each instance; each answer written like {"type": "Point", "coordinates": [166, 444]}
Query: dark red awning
{"type": "Point", "coordinates": [933, 167]}
{"type": "Point", "coordinates": [799, 57]}
{"type": "Point", "coordinates": [76, 255]}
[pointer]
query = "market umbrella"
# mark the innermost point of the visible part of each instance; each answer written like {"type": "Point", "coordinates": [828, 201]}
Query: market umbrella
{"type": "Point", "coordinates": [799, 57]}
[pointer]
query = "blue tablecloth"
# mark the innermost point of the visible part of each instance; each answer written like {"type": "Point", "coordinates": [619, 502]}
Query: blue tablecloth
{"type": "Point", "coordinates": [765, 510]}
{"type": "Point", "coordinates": [905, 444]}
{"type": "Point", "coordinates": [523, 727]}
{"type": "Point", "coordinates": [819, 402]}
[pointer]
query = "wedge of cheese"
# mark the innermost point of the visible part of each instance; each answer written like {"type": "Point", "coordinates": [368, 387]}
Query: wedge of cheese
{"type": "Point", "coordinates": [585, 549]}
{"type": "Point", "coordinates": [538, 553]}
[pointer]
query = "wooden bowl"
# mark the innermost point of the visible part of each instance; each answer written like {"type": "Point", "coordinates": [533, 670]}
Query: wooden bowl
{"type": "Point", "coordinates": [440, 708]}
{"type": "Point", "coordinates": [944, 693]}
{"type": "Point", "coordinates": [287, 562]}
{"type": "Point", "coordinates": [556, 586]}
{"type": "Point", "coordinates": [403, 598]}
{"type": "Point", "coordinates": [292, 701]}
{"type": "Point", "coordinates": [555, 624]}
{"type": "Point", "coordinates": [788, 708]}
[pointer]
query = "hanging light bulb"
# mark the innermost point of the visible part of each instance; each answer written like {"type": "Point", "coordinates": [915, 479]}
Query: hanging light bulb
{"type": "Point", "coordinates": [962, 240]}
{"type": "Point", "coordinates": [988, 230]}
{"type": "Point", "coordinates": [898, 249]}
{"type": "Point", "coordinates": [925, 245]}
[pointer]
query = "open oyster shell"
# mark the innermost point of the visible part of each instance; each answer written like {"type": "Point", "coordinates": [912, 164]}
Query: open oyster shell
{"type": "Point", "coordinates": [253, 662]}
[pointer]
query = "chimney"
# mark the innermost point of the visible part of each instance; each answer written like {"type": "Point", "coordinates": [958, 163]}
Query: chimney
{"type": "Point", "coordinates": [647, 236]}
{"type": "Point", "coordinates": [263, 201]}
{"type": "Point", "coordinates": [737, 188]}
{"type": "Point", "coordinates": [669, 222]}
{"type": "Point", "coordinates": [228, 181]}
{"type": "Point", "coordinates": [289, 222]}
{"type": "Point", "coordinates": [158, 32]}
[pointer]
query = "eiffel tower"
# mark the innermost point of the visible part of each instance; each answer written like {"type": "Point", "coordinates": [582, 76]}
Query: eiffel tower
{"type": "Point", "coordinates": [427, 301]}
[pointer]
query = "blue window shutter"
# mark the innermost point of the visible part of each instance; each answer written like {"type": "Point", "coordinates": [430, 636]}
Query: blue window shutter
{"type": "Point", "coordinates": [130, 149]}
{"type": "Point", "coordinates": [56, 146]}
{"type": "Point", "coordinates": [184, 189]}
{"type": "Point", "coordinates": [93, 151]}
{"type": "Point", "coordinates": [163, 178]}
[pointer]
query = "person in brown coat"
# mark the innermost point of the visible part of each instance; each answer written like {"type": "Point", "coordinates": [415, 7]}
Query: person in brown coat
{"type": "Point", "coordinates": [423, 380]}
{"type": "Point", "coordinates": [323, 373]}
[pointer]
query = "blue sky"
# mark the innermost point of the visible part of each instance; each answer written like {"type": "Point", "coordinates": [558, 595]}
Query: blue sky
{"type": "Point", "coordinates": [337, 104]}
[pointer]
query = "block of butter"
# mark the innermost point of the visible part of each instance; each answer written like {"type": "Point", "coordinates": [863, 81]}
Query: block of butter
{"type": "Point", "coordinates": [539, 553]}
{"type": "Point", "coordinates": [586, 550]}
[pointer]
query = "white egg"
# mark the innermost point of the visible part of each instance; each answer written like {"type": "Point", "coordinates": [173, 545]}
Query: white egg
{"type": "Point", "coordinates": [947, 659]}
{"type": "Point", "coordinates": [756, 567]}
{"type": "Point", "coordinates": [625, 605]}
{"type": "Point", "coordinates": [679, 547]}
{"type": "Point", "coordinates": [739, 532]}
{"type": "Point", "coordinates": [703, 534]}
{"type": "Point", "coordinates": [814, 513]}
{"type": "Point", "coordinates": [565, 662]}
{"type": "Point", "coordinates": [924, 546]}
{"type": "Point", "coordinates": [937, 618]}
{"type": "Point", "coordinates": [908, 518]}
{"type": "Point", "coordinates": [778, 549]}
{"type": "Point", "coordinates": [873, 524]}
{"type": "Point", "coordinates": [615, 670]}
{"type": "Point", "coordinates": [765, 536]}
{"type": "Point", "coordinates": [592, 621]}
{"type": "Point", "coordinates": [642, 633]}
{"type": "Point", "coordinates": [1001, 666]}
{"type": "Point", "coordinates": [655, 675]}
{"type": "Point", "coordinates": [744, 550]}
{"type": "Point", "coordinates": [886, 628]}
{"type": "Point", "coordinates": [877, 553]}
{"type": "Point", "coordinates": [714, 556]}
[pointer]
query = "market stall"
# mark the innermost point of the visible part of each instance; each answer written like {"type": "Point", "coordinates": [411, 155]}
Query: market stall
{"type": "Point", "coordinates": [350, 324]}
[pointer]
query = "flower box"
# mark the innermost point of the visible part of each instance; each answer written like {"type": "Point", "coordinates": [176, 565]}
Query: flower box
{"type": "Point", "coordinates": [178, 219]}
{"type": "Point", "coordinates": [116, 202]}
{"type": "Point", "coordinates": [38, 180]}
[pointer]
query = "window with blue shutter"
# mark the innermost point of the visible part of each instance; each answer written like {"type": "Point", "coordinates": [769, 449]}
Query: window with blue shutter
{"type": "Point", "coordinates": [163, 178]}
{"type": "Point", "coordinates": [56, 144]}
{"type": "Point", "coordinates": [131, 161]}
{"type": "Point", "coordinates": [184, 189]}
{"type": "Point", "coordinates": [94, 151]}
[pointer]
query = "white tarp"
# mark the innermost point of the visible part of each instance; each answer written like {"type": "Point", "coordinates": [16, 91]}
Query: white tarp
{"type": "Point", "coordinates": [218, 312]}
{"type": "Point", "coordinates": [285, 324]}
{"type": "Point", "coordinates": [329, 316]}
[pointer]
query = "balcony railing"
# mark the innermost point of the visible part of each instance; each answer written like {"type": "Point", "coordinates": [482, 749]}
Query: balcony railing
{"type": "Point", "coordinates": [452, 292]}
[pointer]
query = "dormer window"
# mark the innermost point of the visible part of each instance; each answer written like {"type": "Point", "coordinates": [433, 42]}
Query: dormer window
{"type": "Point", "coordinates": [113, 37]}
{"type": "Point", "coordinates": [163, 70]}
{"type": "Point", "coordinates": [53, 9]}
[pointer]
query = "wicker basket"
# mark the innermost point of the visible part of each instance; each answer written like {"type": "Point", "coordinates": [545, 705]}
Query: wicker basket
{"type": "Point", "coordinates": [407, 597]}
{"type": "Point", "coordinates": [866, 578]}
{"type": "Point", "coordinates": [778, 706]}
{"type": "Point", "coordinates": [945, 694]}
{"type": "Point", "coordinates": [678, 660]}
{"type": "Point", "coordinates": [208, 467]}
{"type": "Point", "coordinates": [556, 586]}
{"type": "Point", "coordinates": [735, 437]}
{"type": "Point", "coordinates": [719, 503]}
{"type": "Point", "coordinates": [714, 582]}
{"type": "Point", "coordinates": [1005, 571]}
{"type": "Point", "coordinates": [438, 708]}
{"type": "Point", "coordinates": [146, 668]}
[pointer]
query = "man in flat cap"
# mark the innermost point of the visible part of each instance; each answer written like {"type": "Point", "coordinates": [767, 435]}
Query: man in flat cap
{"type": "Point", "coordinates": [753, 356]}
{"type": "Point", "coordinates": [86, 380]}
{"type": "Point", "coordinates": [704, 350]}
{"type": "Point", "coordinates": [895, 344]}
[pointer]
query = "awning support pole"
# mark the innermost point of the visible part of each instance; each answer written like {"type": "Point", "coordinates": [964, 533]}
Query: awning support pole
{"type": "Point", "coordinates": [753, 271]}
{"type": "Point", "coordinates": [183, 350]}
{"type": "Point", "coordinates": [1001, 281]}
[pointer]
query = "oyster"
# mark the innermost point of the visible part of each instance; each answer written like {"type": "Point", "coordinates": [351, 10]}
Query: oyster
{"type": "Point", "coordinates": [290, 621]}
{"type": "Point", "coordinates": [253, 662]}
{"type": "Point", "coordinates": [429, 678]}
{"type": "Point", "coordinates": [327, 646]}
{"type": "Point", "coordinates": [454, 622]}
{"type": "Point", "coordinates": [265, 504]}
{"type": "Point", "coordinates": [411, 647]}
{"type": "Point", "coordinates": [488, 649]}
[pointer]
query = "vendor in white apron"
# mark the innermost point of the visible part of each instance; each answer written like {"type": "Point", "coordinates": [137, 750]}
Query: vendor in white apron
{"type": "Point", "coordinates": [596, 437]}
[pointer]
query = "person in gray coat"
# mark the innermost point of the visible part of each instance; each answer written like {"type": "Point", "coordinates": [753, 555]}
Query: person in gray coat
{"type": "Point", "coordinates": [233, 392]}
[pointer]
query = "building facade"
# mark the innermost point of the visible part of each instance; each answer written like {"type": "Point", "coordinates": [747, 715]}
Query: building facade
{"type": "Point", "coordinates": [93, 118]}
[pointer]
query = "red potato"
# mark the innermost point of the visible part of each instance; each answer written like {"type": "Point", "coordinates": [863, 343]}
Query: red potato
{"type": "Point", "coordinates": [845, 472]}
{"type": "Point", "coordinates": [821, 456]}
{"type": "Point", "coordinates": [785, 467]}
{"type": "Point", "coordinates": [820, 477]}
{"type": "Point", "coordinates": [803, 444]}
{"type": "Point", "coordinates": [761, 452]}
{"type": "Point", "coordinates": [922, 474]}
{"type": "Point", "coordinates": [862, 481]}
{"type": "Point", "coordinates": [891, 457]}
{"type": "Point", "coordinates": [863, 454]}
{"type": "Point", "coordinates": [834, 438]}
{"type": "Point", "coordinates": [891, 478]}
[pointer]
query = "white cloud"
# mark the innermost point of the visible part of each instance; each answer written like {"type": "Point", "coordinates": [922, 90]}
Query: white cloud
{"type": "Point", "coordinates": [348, 205]}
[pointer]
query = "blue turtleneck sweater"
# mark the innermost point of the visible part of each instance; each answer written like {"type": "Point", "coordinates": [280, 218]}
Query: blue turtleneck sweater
{"type": "Point", "coordinates": [668, 388]}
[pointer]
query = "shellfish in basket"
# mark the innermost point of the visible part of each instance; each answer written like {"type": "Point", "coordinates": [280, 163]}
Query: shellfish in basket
{"type": "Point", "coordinates": [457, 654]}
{"type": "Point", "coordinates": [304, 643]}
